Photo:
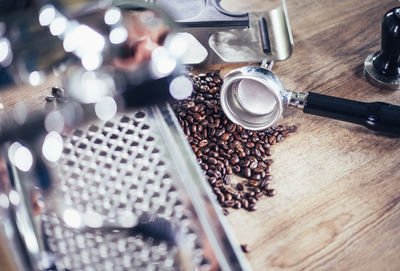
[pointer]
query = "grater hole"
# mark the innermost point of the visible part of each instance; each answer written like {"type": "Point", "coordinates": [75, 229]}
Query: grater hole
{"type": "Point", "coordinates": [82, 146]}
{"type": "Point", "coordinates": [109, 124]}
{"type": "Point", "coordinates": [125, 119]}
{"type": "Point", "coordinates": [140, 115]}
{"type": "Point", "coordinates": [93, 128]}
{"type": "Point", "coordinates": [114, 175]}
{"type": "Point", "coordinates": [98, 141]}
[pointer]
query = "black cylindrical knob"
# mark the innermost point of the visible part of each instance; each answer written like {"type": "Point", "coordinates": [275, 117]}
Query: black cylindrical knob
{"type": "Point", "coordinates": [387, 60]}
{"type": "Point", "coordinates": [383, 67]}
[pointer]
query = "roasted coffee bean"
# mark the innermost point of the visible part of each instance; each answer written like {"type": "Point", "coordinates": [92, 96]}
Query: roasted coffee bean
{"type": "Point", "coordinates": [225, 137]}
{"type": "Point", "coordinates": [57, 92]}
{"type": "Point", "coordinates": [250, 144]}
{"type": "Point", "coordinates": [245, 163]}
{"type": "Point", "coordinates": [258, 170]}
{"type": "Point", "coordinates": [272, 140]}
{"type": "Point", "coordinates": [203, 143]}
{"type": "Point", "coordinates": [235, 159]}
{"type": "Point", "coordinates": [238, 205]}
{"type": "Point", "coordinates": [253, 165]}
{"type": "Point", "coordinates": [227, 179]}
{"type": "Point", "coordinates": [247, 172]}
{"type": "Point", "coordinates": [225, 211]}
{"type": "Point", "coordinates": [236, 168]}
{"type": "Point", "coordinates": [252, 207]}
{"type": "Point", "coordinates": [230, 190]}
{"type": "Point", "coordinates": [253, 183]}
{"type": "Point", "coordinates": [231, 128]}
{"type": "Point", "coordinates": [245, 203]}
{"type": "Point", "coordinates": [50, 99]}
{"type": "Point", "coordinates": [265, 184]}
{"type": "Point", "coordinates": [256, 177]}
{"type": "Point", "coordinates": [270, 192]}
{"type": "Point", "coordinates": [212, 161]}
{"type": "Point", "coordinates": [229, 203]}
{"type": "Point", "coordinates": [240, 187]}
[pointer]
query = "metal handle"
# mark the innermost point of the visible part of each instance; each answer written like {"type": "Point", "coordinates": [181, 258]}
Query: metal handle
{"type": "Point", "coordinates": [376, 116]}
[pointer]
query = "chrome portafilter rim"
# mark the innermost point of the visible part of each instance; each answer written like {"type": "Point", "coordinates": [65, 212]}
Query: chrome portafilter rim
{"type": "Point", "coordinates": [234, 109]}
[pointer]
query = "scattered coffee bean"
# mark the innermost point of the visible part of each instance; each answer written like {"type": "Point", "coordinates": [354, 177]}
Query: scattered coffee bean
{"type": "Point", "coordinates": [225, 211]}
{"type": "Point", "coordinates": [50, 99]}
{"type": "Point", "coordinates": [57, 92]}
{"type": "Point", "coordinates": [245, 248]}
{"type": "Point", "coordinates": [223, 148]}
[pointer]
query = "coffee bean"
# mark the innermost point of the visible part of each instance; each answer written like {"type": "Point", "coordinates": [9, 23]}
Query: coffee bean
{"type": "Point", "coordinates": [253, 183]}
{"type": "Point", "coordinates": [239, 187]}
{"type": "Point", "coordinates": [231, 127]}
{"type": "Point", "coordinates": [250, 144]}
{"type": "Point", "coordinates": [265, 184]}
{"type": "Point", "coordinates": [247, 172]}
{"type": "Point", "coordinates": [258, 170]}
{"type": "Point", "coordinates": [225, 211]}
{"type": "Point", "coordinates": [252, 207]}
{"type": "Point", "coordinates": [270, 192]}
{"type": "Point", "coordinates": [212, 161]}
{"type": "Point", "coordinates": [225, 137]}
{"type": "Point", "coordinates": [253, 165]}
{"type": "Point", "coordinates": [50, 99]}
{"type": "Point", "coordinates": [272, 140]}
{"type": "Point", "coordinates": [238, 205]}
{"type": "Point", "coordinates": [203, 143]}
{"type": "Point", "coordinates": [57, 92]}
{"type": "Point", "coordinates": [235, 159]}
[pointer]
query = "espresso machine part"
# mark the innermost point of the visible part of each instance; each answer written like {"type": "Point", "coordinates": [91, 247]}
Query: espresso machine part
{"type": "Point", "coordinates": [255, 98]}
{"type": "Point", "coordinates": [67, 167]}
{"type": "Point", "coordinates": [382, 68]}
{"type": "Point", "coordinates": [222, 36]}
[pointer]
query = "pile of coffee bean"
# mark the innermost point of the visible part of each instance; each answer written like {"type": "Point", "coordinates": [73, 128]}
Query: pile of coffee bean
{"type": "Point", "coordinates": [223, 148]}
{"type": "Point", "coordinates": [57, 95]}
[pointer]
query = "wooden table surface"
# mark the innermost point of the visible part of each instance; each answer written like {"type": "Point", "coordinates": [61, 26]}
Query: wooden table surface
{"type": "Point", "coordinates": [338, 185]}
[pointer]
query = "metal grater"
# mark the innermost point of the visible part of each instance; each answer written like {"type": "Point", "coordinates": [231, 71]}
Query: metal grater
{"type": "Point", "coordinates": [136, 162]}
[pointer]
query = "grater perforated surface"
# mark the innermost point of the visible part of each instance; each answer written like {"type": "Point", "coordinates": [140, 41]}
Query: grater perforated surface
{"type": "Point", "coordinates": [110, 168]}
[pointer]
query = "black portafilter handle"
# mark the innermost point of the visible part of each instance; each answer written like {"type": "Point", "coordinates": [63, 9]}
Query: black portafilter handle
{"type": "Point", "coordinates": [378, 116]}
{"type": "Point", "coordinates": [387, 60]}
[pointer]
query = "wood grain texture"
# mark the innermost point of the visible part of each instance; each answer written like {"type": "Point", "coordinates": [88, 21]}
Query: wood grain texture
{"type": "Point", "coordinates": [338, 185]}
{"type": "Point", "coordinates": [337, 203]}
